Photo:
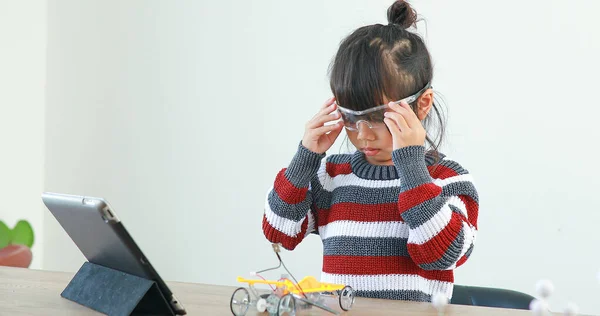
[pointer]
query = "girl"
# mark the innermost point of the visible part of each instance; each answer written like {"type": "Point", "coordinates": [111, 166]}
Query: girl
{"type": "Point", "coordinates": [395, 219]}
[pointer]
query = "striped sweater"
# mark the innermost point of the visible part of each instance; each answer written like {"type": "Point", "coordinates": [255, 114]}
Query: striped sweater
{"type": "Point", "coordinates": [392, 232]}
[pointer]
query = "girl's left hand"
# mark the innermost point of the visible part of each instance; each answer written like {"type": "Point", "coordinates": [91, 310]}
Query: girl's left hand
{"type": "Point", "coordinates": [405, 126]}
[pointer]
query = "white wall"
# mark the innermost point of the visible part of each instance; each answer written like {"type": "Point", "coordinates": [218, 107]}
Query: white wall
{"type": "Point", "coordinates": [181, 113]}
{"type": "Point", "coordinates": [22, 85]}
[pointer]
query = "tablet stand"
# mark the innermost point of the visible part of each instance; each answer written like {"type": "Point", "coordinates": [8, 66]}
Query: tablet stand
{"type": "Point", "coordinates": [114, 292]}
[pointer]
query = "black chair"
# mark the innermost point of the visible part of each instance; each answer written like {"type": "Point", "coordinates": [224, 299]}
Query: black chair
{"type": "Point", "coordinates": [490, 297]}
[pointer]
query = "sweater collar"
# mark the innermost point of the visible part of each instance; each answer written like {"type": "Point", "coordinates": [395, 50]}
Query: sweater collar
{"type": "Point", "coordinates": [363, 169]}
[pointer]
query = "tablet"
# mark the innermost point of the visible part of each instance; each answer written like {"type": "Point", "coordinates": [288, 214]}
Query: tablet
{"type": "Point", "coordinates": [102, 238]}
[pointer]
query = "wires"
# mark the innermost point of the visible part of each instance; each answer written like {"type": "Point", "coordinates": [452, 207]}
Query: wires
{"type": "Point", "coordinates": [271, 286]}
{"type": "Point", "coordinates": [276, 250]}
{"type": "Point", "coordinates": [270, 269]}
{"type": "Point", "coordinates": [297, 284]}
{"type": "Point", "coordinates": [288, 271]}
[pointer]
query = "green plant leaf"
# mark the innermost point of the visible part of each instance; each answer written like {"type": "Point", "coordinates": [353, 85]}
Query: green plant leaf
{"type": "Point", "coordinates": [22, 234]}
{"type": "Point", "coordinates": [5, 234]}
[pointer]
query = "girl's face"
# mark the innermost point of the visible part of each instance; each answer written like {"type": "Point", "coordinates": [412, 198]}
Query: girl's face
{"type": "Point", "coordinates": [377, 143]}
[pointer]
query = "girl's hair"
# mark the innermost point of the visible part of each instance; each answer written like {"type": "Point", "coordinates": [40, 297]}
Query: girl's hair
{"type": "Point", "coordinates": [385, 61]}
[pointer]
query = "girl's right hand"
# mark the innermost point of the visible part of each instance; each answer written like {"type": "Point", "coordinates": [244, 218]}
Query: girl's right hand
{"type": "Point", "coordinates": [318, 138]}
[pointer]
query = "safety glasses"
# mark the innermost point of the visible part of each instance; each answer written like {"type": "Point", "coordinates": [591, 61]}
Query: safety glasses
{"type": "Point", "coordinates": [373, 117]}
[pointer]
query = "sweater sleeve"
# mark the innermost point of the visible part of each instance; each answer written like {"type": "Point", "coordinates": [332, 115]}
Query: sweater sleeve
{"type": "Point", "coordinates": [440, 205]}
{"type": "Point", "coordinates": [289, 213]}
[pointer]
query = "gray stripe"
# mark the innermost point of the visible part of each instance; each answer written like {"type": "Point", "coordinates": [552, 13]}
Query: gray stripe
{"type": "Point", "coordinates": [456, 210]}
{"type": "Point", "coordinates": [461, 188]}
{"type": "Point", "coordinates": [365, 170]}
{"type": "Point", "coordinates": [294, 212]}
{"type": "Point", "coordinates": [469, 251]}
{"type": "Point", "coordinates": [364, 246]}
{"type": "Point", "coordinates": [412, 174]}
{"type": "Point", "coordinates": [430, 160]}
{"type": "Point", "coordinates": [450, 257]}
{"type": "Point", "coordinates": [339, 159]}
{"type": "Point", "coordinates": [402, 295]}
{"type": "Point", "coordinates": [430, 157]}
{"type": "Point", "coordinates": [320, 195]}
{"type": "Point", "coordinates": [454, 166]}
{"type": "Point", "coordinates": [356, 194]}
{"type": "Point", "coordinates": [420, 214]}
{"type": "Point", "coordinates": [304, 166]}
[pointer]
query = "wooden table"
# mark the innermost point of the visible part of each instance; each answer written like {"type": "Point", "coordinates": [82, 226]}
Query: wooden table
{"type": "Point", "coordinates": [35, 292]}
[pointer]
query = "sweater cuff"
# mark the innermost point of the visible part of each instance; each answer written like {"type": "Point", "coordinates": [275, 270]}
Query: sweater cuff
{"type": "Point", "coordinates": [411, 166]}
{"type": "Point", "coordinates": [303, 167]}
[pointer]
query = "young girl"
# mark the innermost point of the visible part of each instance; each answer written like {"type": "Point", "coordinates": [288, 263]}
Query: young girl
{"type": "Point", "coordinates": [395, 219]}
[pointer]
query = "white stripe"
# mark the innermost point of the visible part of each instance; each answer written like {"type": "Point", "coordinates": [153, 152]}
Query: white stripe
{"type": "Point", "coordinates": [284, 225]}
{"type": "Point", "coordinates": [460, 178]}
{"type": "Point", "coordinates": [364, 229]}
{"type": "Point", "coordinates": [389, 282]}
{"type": "Point", "coordinates": [311, 223]}
{"type": "Point", "coordinates": [423, 233]}
{"type": "Point", "coordinates": [328, 183]}
{"type": "Point", "coordinates": [458, 203]}
{"type": "Point", "coordinates": [470, 233]}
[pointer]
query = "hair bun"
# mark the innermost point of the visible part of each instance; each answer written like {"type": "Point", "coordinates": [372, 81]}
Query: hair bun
{"type": "Point", "coordinates": [402, 14]}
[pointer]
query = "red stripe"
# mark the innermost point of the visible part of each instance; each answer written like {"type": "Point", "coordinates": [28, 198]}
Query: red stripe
{"type": "Point", "coordinates": [360, 212]}
{"type": "Point", "coordinates": [472, 209]}
{"type": "Point", "coordinates": [275, 236]}
{"type": "Point", "coordinates": [413, 197]}
{"type": "Point", "coordinates": [441, 172]}
{"type": "Point", "coordinates": [433, 250]}
{"type": "Point", "coordinates": [462, 217]}
{"type": "Point", "coordinates": [335, 169]}
{"type": "Point", "coordinates": [462, 260]}
{"type": "Point", "coordinates": [372, 265]}
{"type": "Point", "coordinates": [287, 191]}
